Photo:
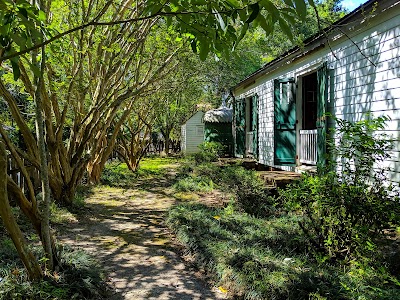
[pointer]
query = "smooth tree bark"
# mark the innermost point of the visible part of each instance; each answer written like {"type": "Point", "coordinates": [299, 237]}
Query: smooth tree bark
{"type": "Point", "coordinates": [44, 173]}
{"type": "Point", "coordinates": [90, 82]}
{"type": "Point", "coordinates": [29, 260]}
{"type": "Point", "coordinates": [26, 200]}
{"type": "Point", "coordinates": [135, 136]}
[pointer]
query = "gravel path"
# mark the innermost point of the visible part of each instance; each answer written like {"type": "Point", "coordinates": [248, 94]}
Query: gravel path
{"type": "Point", "coordinates": [124, 229]}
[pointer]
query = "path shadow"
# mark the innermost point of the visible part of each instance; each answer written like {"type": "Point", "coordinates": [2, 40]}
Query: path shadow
{"type": "Point", "coordinates": [125, 230]}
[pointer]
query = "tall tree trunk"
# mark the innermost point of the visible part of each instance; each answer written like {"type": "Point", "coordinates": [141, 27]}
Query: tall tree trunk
{"type": "Point", "coordinates": [28, 259]}
{"type": "Point", "coordinates": [44, 173]}
{"type": "Point", "coordinates": [167, 138]}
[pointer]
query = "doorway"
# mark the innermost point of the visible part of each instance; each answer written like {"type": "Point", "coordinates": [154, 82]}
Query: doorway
{"type": "Point", "coordinates": [309, 103]}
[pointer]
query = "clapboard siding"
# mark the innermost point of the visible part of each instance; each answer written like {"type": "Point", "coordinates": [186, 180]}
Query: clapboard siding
{"type": "Point", "coordinates": [193, 131]}
{"type": "Point", "coordinates": [364, 77]}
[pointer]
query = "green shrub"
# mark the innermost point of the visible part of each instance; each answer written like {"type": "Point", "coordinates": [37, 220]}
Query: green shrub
{"type": "Point", "coordinates": [259, 258]}
{"type": "Point", "coordinates": [341, 219]}
{"type": "Point", "coordinates": [346, 211]}
{"type": "Point", "coordinates": [209, 151]}
{"type": "Point", "coordinates": [80, 277]}
{"type": "Point", "coordinates": [250, 191]}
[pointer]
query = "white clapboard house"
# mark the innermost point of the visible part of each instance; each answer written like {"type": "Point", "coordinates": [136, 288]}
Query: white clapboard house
{"type": "Point", "coordinates": [349, 70]}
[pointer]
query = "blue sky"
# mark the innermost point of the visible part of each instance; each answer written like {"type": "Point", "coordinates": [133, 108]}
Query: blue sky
{"type": "Point", "coordinates": [352, 4]}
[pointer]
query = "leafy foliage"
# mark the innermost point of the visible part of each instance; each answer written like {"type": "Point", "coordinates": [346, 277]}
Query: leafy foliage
{"type": "Point", "coordinates": [263, 258]}
{"type": "Point", "coordinates": [80, 277]}
{"type": "Point", "coordinates": [194, 184]}
{"type": "Point", "coordinates": [212, 26]}
{"type": "Point", "coordinates": [209, 152]}
{"type": "Point", "coordinates": [249, 190]}
{"type": "Point", "coordinates": [117, 174]}
{"type": "Point", "coordinates": [22, 26]}
{"type": "Point", "coordinates": [346, 212]}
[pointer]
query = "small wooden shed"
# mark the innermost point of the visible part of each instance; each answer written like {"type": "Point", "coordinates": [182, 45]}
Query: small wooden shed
{"type": "Point", "coordinates": [218, 127]}
{"type": "Point", "coordinates": [192, 133]}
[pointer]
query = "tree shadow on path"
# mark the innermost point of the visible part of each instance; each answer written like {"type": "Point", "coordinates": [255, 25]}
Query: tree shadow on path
{"type": "Point", "coordinates": [124, 229]}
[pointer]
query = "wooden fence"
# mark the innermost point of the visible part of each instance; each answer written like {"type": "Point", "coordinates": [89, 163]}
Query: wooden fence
{"type": "Point", "coordinates": [15, 173]}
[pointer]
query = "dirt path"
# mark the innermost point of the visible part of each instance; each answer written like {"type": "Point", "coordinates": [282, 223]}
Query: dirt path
{"type": "Point", "coordinates": [124, 229]}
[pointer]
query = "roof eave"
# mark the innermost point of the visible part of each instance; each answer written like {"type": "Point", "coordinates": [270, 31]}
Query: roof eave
{"type": "Point", "coordinates": [310, 44]}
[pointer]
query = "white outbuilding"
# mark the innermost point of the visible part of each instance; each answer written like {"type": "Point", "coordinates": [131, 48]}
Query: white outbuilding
{"type": "Point", "coordinates": [192, 133]}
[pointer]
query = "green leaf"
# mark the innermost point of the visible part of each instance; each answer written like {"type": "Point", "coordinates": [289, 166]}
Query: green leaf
{"type": "Point", "coordinates": [204, 49]}
{"type": "Point", "coordinates": [168, 21]}
{"type": "Point", "coordinates": [271, 8]}
{"type": "Point", "coordinates": [301, 8]}
{"type": "Point", "coordinates": [19, 40]}
{"type": "Point", "coordinates": [234, 3]}
{"type": "Point", "coordinates": [15, 67]}
{"type": "Point", "coordinates": [288, 15]}
{"type": "Point", "coordinates": [243, 31]}
{"type": "Point", "coordinates": [267, 26]}
{"type": "Point", "coordinates": [41, 16]}
{"type": "Point", "coordinates": [286, 29]}
{"type": "Point", "coordinates": [255, 11]}
{"type": "Point", "coordinates": [220, 20]}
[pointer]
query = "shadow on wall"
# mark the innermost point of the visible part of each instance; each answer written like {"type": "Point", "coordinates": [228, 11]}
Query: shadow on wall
{"type": "Point", "coordinates": [370, 83]}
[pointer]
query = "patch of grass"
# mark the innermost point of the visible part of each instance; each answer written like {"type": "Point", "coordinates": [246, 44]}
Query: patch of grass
{"type": "Point", "coordinates": [186, 196]}
{"type": "Point", "coordinates": [80, 277]}
{"type": "Point", "coordinates": [117, 174]}
{"type": "Point", "coordinates": [256, 258]}
{"type": "Point", "coordinates": [156, 166]}
{"type": "Point", "coordinates": [194, 184]}
{"type": "Point", "coordinates": [245, 186]}
{"type": "Point", "coordinates": [61, 215]}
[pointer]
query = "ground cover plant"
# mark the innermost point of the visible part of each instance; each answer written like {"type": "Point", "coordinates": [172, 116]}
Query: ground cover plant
{"type": "Point", "coordinates": [331, 235]}
{"type": "Point", "coordinates": [78, 277]}
{"type": "Point", "coordinates": [267, 258]}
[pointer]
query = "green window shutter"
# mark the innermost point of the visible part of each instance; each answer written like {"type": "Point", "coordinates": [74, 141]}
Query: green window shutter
{"type": "Point", "coordinates": [254, 126]}
{"type": "Point", "coordinates": [284, 121]}
{"type": "Point", "coordinates": [240, 122]}
{"type": "Point", "coordinates": [322, 98]}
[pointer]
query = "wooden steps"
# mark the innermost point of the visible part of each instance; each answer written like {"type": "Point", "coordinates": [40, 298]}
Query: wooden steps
{"type": "Point", "coordinates": [272, 177]}
{"type": "Point", "coordinates": [275, 179]}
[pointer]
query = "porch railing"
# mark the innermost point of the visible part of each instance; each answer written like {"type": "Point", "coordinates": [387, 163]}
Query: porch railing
{"type": "Point", "coordinates": [249, 142]}
{"type": "Point", "coordinates": [308, 146]}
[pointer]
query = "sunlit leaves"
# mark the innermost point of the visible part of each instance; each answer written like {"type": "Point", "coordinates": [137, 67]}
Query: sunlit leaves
{"type": "Point", "coordinates": [255, 10]}
{"type": "Point", "coordinates": [219, 25]}
{"type": "Point", "coordinates": [21, 26]}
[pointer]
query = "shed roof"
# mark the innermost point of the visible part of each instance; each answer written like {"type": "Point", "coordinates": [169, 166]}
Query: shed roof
{"type": "Point", "coordinates": [219, 115]}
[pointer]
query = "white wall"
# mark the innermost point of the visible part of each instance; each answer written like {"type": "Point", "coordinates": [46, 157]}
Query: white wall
{"type": "Point", "coordinates": [193, 133]}
{"type": "Point", "coordinates": [361, 81]}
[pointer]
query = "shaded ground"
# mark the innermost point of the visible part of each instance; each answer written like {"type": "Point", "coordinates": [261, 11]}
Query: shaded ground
{"type": "Point", "coordinates": [124, 229]}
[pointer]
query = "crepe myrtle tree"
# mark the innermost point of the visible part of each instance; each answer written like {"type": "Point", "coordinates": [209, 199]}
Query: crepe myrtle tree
{"type": "Point", "coordinates": [95, 62]}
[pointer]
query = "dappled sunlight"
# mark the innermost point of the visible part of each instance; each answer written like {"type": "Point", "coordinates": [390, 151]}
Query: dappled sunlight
{"type": "Point", "coordinates": [124, 229]}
